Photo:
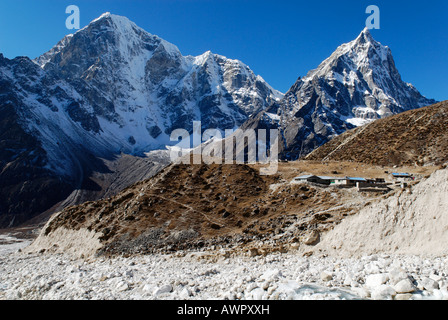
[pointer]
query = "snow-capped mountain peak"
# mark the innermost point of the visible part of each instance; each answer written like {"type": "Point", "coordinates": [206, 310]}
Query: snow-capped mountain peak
{"type": "Point", "coordinates": [110, 88]}
{"type": "Point", "coordinates": [357, 84]}
{"type": "Point", "coordinates": [362, 54]}
{"type": "Point", "coordinates": [365, 36]}
{"type": "Point", "coordinates": [141, 87]}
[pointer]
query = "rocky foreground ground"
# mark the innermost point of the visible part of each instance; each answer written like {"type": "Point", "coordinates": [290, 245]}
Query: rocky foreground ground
{"type": "Point", "coordinates": [392, 249]}
{"type": "Point", "coordinates": [214, 274]}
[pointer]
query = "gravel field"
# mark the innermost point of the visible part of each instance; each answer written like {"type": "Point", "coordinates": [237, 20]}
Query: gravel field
{"type": "Point", "coordinates": [214, 275]}
{"type": "Point", "coordinates": [392, 249]}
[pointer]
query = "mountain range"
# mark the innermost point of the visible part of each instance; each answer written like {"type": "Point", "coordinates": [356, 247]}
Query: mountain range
{"type": "Point", "coordinates": [108, 89]}
{"type": "Point", "coordinates": [112, 91]}
{"type": "Point", "coordinates": [357, 84]}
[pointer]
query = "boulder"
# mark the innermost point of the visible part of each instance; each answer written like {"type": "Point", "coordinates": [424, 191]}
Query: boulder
{"type": "Point", "coordinates": [403, 296]}
{"type": "Point", "coordinates": [428, 284]}
{"type": "Point", "coordinates": [383, 292]}
{"type": "Point", "coordinates": [326, 276]}
{"type": "Point", "coordinates": [311, 238]}
{"type": "Point", "coordinates": [122, 286]}
{"type": "Point", "coordinates": [396, 275]}
{"type": "Point", "coordinates": [376, 280]}
{"type": "Point", "coordinates": [167, 288]}
{"type": "Point", "coordinates": [405, 286]}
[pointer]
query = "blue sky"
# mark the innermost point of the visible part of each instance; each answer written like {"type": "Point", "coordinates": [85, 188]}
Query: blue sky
{"type": "Point", "coordinates": [279, 40]}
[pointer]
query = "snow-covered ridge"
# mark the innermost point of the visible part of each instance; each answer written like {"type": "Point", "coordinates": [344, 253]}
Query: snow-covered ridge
{"type": "Point", "coordinates": [139, 87]}
{"type": "Point", "coordinates": [357, 84]}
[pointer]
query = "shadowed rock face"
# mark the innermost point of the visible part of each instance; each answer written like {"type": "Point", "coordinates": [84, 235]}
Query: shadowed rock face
{"type": "Point", "coordinates": [357, 84]}
{"type": "Point", "coordinates": [27, 186]}
{"type": "Point", "coordinates": [48, 152]}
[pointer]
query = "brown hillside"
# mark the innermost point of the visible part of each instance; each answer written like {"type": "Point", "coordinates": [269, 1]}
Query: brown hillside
{"type": "Point", "coordinates": [189, 206]}
{"type": "Point", "coordinates": [416, 137]}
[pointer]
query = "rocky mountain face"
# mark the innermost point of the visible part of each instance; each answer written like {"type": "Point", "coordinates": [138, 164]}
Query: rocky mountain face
{"type": "Point", "coordinates": [357, 84]}
{"type": "Point", "coordinates": [33, 107]}
{"type": "Point", "coordinates": [141, 88]}
{"type": "Point", "coordinates": [107, 90]}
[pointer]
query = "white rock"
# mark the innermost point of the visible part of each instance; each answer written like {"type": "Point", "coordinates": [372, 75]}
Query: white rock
{"type": "Point", "coordinates": [403, 296]}
{"type": "Point", "coordinates": [167, 288]}
{"type": "Point", "coordinates": [265, 285]}
{"type": "Point", "coordinates": [237, 288]}
{"type": "Point", "coordinates": [45, 277]}
{"type": "Point", "coordinates": [428, 284]}
{"type": "Point", "coordinates": [255, 294]}
{"type": "Point", "coordinates": [240, 269]}
{"type": "Point", "coordinates": [396, 275]}
{"type": "Point", "coordinates": [376, 280]}
{"type": "Point", "coordinates": [383, 292]}
{"type": "Point", "coordinates": [311, 238]}
{"type": "Point", "coordinates": [372, 268]}
{"type": "Point", "coordinates": [229, 295]}
{"type": "Point", "coordinates": [405, 286]}
{"type": "Point", "coordinates": [251, 286]}
{"type": "Point", "coordinates": [326, 276]}
{"type": "Point", "coordinates": [271, 274]}
{"type": "Point", "coordinates": [443, 285]}
{"type": "Point", "coordinates": [122, 286]}
{"type": "Point", "coordinates": [361, 292]}
{"type": "Point", "coordinates": [148, 288]}
{"type": "Point", "coordinates": [435, 277]}
{"type": "Point", "coordinates": [185, 293]}
{"type": "Point", "coordinates": [272, 289]}
{"type": "Point", "coordinates": [348, 280]}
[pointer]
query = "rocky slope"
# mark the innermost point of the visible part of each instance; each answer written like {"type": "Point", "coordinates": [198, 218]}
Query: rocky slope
{"type": "Point", "coordinates": [192, 206]}
{"type": "Point", "coordinates": [391, 249]}
{"type": "Point", "coordinates": [412, 222]}
{"type": "Point", "coordinates": [416, 137]}
{"type": "Point", "coordinates": [357, 84]}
